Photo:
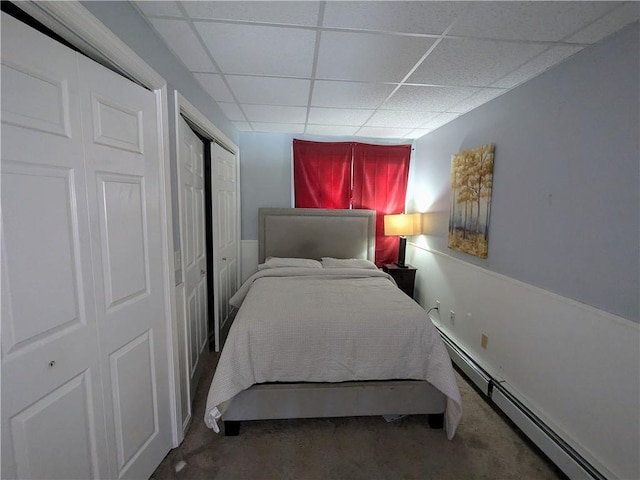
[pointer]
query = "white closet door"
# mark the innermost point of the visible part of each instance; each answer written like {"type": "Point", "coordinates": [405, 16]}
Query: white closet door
{"type": "Point", "coordinates": [224, 186]}
{"type": "Point", "coordinates": [192, 224]}
{"type": "Point", "coordinates": [85, 391]}
{"type": "Point", "coordinates": [123, 184]}
{"type": "Point", "coordinates": [52, 407]}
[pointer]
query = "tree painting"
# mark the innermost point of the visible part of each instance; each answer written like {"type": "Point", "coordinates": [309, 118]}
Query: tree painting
{"type": "Point", "coordinates": [471, 183]}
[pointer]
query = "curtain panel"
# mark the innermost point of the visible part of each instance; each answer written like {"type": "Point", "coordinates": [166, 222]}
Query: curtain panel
{"type": "Point", "coordinates": [322, 174]}
{"type": "Point", "coordinates": [324, 178]}
{"type": "Point", "coordinates": [380, 174]}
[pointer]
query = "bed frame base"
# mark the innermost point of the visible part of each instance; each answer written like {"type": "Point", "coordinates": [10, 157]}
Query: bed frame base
{"type": "Point", "coordinates": [232, 427]}
{"type": "Point", "coordinates": [345, 399]}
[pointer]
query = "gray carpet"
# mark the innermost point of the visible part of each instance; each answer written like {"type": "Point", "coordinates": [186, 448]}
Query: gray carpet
{"type": "Point", "coordinates": [486, 446]}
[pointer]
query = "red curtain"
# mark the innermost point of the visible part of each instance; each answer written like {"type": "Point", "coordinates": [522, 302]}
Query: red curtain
{"type": "Point", "coordinates": [322, 174]}
{"type": "Point", "coordinates": [380, 175]}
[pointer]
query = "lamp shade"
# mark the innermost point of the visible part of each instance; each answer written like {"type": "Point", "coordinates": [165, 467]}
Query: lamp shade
{"type": "Point", "coordinates": [402, 224]}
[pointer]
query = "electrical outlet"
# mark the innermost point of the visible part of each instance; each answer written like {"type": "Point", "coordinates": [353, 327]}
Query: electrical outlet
{"type": "Point", "coordinates": [484, 340]}
{"type": "Point", "coordinates": [438, 304]}
{"type": "Point", "coordinates": [452, 316]}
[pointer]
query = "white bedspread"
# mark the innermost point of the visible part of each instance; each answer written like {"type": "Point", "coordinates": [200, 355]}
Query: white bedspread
{"type": "Point", "coordinates": [329, 325]}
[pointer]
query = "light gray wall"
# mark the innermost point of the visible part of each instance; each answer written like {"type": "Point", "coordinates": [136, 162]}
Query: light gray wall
{"type": "Point", "coordinates": [266, 171]}
{"type": "Point", "coordinates": [124, 20]}
{"type": "Point", "coordinates": [565, 208]}
{"type": "Point", "coordinates": [265, 176]}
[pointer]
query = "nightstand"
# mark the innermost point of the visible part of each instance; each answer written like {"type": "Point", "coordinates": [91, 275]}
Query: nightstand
{"type": "Point", "coordinates": [405, 277]}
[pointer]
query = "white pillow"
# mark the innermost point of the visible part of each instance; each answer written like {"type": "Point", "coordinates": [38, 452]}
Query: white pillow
{"type": "Point", "coordinates": [328, 262]}
{"type": "Point", "coordinates": [278, 262]}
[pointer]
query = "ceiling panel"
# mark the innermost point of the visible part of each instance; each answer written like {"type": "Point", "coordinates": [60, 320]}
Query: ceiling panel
{"type": "Point", "coordinates": [427, 99]}
{"type": "Point", "coordinates": [622, 16]}
{"type": "Point", "coordinates": [395, 118]}
{"type": "Point", "coordinates": [232, 111]}
{"type": "Point", "coordinates": [153, 8]}
{"type": "Point", "coordinates": [214, 85]}
{"type": "Point", "coordinates": [269, 90]}
{"type": "Point", "coordinates": [368, 56]}
{"type": "Point", "coordinates": [284, 13]}
{"type": "Point", "coordinates": [259, 50]}
{"type": "Point", "coordinates": [275, 114]}
{"type": "Point", "coordinates": [537, 65]}
{"type": "Point", "coordinates": [468, 62]}
{"type": "Point", "coordinates": [339, 116]}
{"type": "Point", "coordinates": [404, 17]}
{"type": "Point", "coordinates": [372, 68]}
{"type": "Point", "coordinates": [541, 21]}
{"type": "Point", "coordinates": [349, 94]}
{"type": "Point", "coordinates": [185, 45]}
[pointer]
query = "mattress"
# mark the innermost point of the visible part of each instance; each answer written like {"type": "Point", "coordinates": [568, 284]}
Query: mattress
{"type": "Point", "coordinates": [329, 325]}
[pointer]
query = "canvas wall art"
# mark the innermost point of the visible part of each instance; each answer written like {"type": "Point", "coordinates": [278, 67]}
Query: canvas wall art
{"type": "Point", "coordinates": [471, 185]}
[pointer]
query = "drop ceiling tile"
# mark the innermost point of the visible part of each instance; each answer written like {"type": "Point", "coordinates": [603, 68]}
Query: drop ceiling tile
{"type": "Point", "coordinates": [539, 64]}
{"type": "Point", "coordinates": [380, 132]}
{"type": "Point", "coordinates": [403, 119]}
{"type": "Point", "coordinates": [232, 111]}
{"type": "Point", "coordinates": [541, 21]}
{"type": "Point", "coordinates": [417, 133]}
{"type": "Point", "coordinates": [473, 62]}
{"type": "Point", "coordinates": [275, 114]}
{"type": "Point", "coordinates": [259, 50]}
{"type": "Point", "coordinates": [368, 56]}
{"type": "Point", "coordinates": [270, 90]}
{"type": "Point", "coordinates": [338, 116]}
{"type": "Point", "coordinates": [278, 127]}
{"type": "Point", "coordinates": [243, 126]}
{"type": "Point", "coordinates": [349, 94]}
{"type": "Point", "coordinates": [332, 130]}
{"type": "Point", "coordinates": [286, 13]}
{"type": "Point", "coordinates": [439, 121]}
{"type": "Point", "coordinates": [214, 85]}
{"type": "Point", "coordinates": [162, 9]}
{"type": "Point", "coordinates": [407, 17]}
{"type": "Point", "coordinates": [184, 44]}
{"type": "Point", "coordinates": [427, 99]}
{"type": "Point", "coordinates": [477, 99]}
{"type": "Point", "coordinates": [610, 23]}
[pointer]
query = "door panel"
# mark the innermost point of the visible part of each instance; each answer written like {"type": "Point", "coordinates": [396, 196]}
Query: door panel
{"type": "Point", "coordinates": [51, 386]}
{"type": "Point", "coordinates": [123, 187]}
{"type": "Point", "coordinates": [66, 414]}
{"type": "Point", "coordinates": [225, 212]}
{"type": "Point", "coordinates": [191, 179]}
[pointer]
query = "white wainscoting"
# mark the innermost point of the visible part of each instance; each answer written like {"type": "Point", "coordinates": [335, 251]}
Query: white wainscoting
{"type": "Point", "coordinates": [249, 255]}
{"type": "Point", "coordinates": [576, 367]}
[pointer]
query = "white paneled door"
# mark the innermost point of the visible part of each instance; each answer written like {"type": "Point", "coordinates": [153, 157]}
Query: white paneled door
{"type": "Point", "coordinates": [194, 330]}
{"type": "Point", "coordinates": [224, 185]}
{"type": "Point", "coordinates": [85, 391]}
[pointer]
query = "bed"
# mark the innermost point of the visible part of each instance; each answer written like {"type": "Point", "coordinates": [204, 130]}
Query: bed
{"type": "Point", "coordinates": [328, 338]}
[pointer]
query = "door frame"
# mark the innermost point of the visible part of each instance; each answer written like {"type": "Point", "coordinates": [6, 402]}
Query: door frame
{"type": "Point", "coordinates": [209, 131]}
{"type": "Point", "coordinates": [73, 22]}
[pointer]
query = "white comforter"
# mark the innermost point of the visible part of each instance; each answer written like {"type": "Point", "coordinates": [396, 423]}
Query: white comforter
{"type": "Point", "coordinates": [328, 325]}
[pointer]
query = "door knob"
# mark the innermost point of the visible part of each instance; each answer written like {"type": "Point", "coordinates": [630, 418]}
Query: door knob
{"type": "Point", "coordinates": [202, 272]}
{"type": "Point", "coordinates": [224, 258]}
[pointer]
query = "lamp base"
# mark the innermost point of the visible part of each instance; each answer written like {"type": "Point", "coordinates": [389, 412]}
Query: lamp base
{"type": "Point", "coordinates": [401, 252]}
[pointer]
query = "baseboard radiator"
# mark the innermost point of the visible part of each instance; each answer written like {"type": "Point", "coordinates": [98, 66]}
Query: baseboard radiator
{"type": "Point", "coordinates": [566, 458]}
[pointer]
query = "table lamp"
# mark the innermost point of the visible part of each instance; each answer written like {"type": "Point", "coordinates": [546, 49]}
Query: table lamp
{"type": "Point", "coordinates": [401, 225]}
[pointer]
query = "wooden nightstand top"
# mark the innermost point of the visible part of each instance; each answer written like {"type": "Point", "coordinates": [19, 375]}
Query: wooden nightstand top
{"type": "Point", "coordinates": [393, 266]}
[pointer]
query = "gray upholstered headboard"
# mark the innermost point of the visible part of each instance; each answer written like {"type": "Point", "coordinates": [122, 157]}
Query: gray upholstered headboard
{"type": "Point", "coordinates": [316, 233]}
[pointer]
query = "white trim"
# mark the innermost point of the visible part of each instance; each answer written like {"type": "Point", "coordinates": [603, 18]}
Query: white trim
{"type": "Point", "coordinates": [568, 301]}
{"type": "Point", "coordinates": [202, 123]}
{"type": "Point", "coordinates": [78, 26]}
{"type": "Point", "coordinates": [73, 22]}
{"type": "Point", "coordinates": [208, 130]}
